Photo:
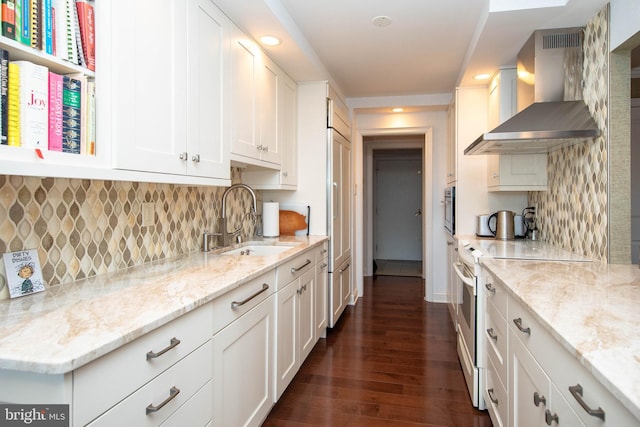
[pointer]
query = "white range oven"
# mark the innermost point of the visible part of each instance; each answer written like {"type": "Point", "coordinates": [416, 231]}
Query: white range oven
{"type": "Point", "coordinates": [471, 306]}
{"type": "Point", "coordinates": [470, 319]}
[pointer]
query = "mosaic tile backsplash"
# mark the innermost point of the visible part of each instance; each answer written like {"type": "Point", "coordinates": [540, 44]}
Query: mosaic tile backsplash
{"type": "Point", "coordinates": [573, 212]}
{"type": "Point", "coordinates": [86, 227]}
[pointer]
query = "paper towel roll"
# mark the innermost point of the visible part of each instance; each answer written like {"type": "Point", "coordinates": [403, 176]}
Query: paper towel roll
{"type": "Point", "coordinates": [270, 219]}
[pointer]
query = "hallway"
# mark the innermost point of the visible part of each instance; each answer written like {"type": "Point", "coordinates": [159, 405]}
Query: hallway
{"type": "Point", "coordinates": [391, 361]}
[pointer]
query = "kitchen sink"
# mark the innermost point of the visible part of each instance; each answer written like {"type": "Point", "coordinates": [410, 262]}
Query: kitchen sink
{"type": "Point", "coordinates": [258, 250]}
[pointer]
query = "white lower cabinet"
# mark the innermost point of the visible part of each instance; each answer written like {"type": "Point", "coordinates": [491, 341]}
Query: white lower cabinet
{"type": "Point", "coordinates": [339, 291]}
{"type": "Point", "coordinates": [242, 368]}
{"type": "Point", "coordinates": [548, 386]}
{"type": "Point", "coordinates": [296, 325]}
{"type": "Point", "coordinates": [152, 404]}
{"type": "Point", "coordinates": [321, 311]}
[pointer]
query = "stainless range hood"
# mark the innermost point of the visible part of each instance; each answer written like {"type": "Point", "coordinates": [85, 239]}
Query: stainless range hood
{"type": "Point", "coordinates": [551, 111]}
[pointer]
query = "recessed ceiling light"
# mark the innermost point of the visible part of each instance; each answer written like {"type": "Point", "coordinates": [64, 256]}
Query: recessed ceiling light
{"type": "Point", "coordinates": [398, 110]}
{"type": "Point", "coordinates": [484, 76]}
{"type": "Point", "coordinates": [381, 21]}
{"type": "Point", "coordinates": [270, 40]}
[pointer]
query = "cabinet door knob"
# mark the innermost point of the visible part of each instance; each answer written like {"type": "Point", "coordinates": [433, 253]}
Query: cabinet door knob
{"type": "Point", "coordinates": [549, 418]}
{"type": "Point", "coordinates": [259, 148]}
{"type": "Point", "coordinates": [183, 156]}
{"type": "Point", "coordinates": [490, 288]}
{"type": "Point", "coordinates": [285, 174]}
{"type": "Point", "coordinates": [537, 399]}
{"type": "Point", "coordinates": [493, 399]}
{"type": "Point", "coordinates": [492, 335]}
{"type": "Point", "coordinates": [196, 158]}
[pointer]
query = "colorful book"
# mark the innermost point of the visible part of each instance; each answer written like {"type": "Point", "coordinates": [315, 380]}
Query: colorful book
{"type": "Point", "coordinates": [35, 14]}
{"type": "Point", "coordinates": [13, 105]}
{"type": "Point", "coordinates": [4, 85]}
{"type": "Point", "coordinates": [60, 28]}
{"type": "Point", "coordinates": [47, 27]}
{"type": "Point", "coordinates": [55, 112]}
{"type": "Point", "coordinates": [23, 272]}
{"type": "Point", "coordinates": [91, 117]}
{"type": "Point", "coordinates": [23, 28]}
{"type": "Point", "coordinates": [76, 39]}
{"type": "Point", "coordinates": [34, 101]}
{"type": "Point", "coordinates": [71, 116]}
{"type": "Point", "coordinates": [82, 81]}
{"type": "Point", "coordinates": [86, 21]}
{"type": "Point", "coordinates": [8, 19]}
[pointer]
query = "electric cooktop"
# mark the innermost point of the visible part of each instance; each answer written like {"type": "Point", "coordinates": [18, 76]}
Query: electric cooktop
{"type": "Point", "coordinates": [524, 249]}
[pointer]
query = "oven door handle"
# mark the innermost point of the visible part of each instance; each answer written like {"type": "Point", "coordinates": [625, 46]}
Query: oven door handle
{"type": "Point", "coordinates": [467, 280]}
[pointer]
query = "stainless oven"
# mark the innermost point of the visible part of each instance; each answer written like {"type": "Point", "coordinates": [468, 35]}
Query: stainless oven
{"type": "Point", "coordinates": [470, 310]}
{"type": "Point", "coordinates": [450, 210]}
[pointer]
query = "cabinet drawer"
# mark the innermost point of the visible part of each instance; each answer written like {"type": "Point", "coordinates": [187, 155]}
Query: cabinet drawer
{"type": "Point", "coordinates": [198, 411]}
{"type": "Point", "coordinates": [496, 336]}
{"type": "Point", "coordinates": [102, 383]}
{"type": "Point", "coordinates": [295, 268]}
{"type": "Point", "coordinates": [496, 398]}
{"type": "Point", "coordinates": [495, 292]}
{"type": "Point", "coordinates": [234, 304]}
{"type": "Point", "coordinates": [164, 394]}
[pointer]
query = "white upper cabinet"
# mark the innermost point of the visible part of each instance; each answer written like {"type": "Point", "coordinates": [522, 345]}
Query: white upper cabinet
{"type": "Point", "coordinates": [519, 172]}
{"type": "Point", "coordinates": [167, 80]}
{"type": "Point", "coordinates": [254, 104]}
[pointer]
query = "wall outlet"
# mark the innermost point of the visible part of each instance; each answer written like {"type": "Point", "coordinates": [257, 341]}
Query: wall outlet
{"type": "Point", "coordinates": [148, 214]}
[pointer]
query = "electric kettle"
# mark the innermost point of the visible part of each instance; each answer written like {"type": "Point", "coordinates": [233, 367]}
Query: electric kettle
{"type": "Point", "coordinates": [503, 229]}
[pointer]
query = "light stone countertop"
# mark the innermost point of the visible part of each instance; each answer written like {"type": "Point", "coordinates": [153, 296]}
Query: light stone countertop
{"type": "Point", "coordinates": [69, 325]}
{"type": "Point", "coordinates": [591, 308]}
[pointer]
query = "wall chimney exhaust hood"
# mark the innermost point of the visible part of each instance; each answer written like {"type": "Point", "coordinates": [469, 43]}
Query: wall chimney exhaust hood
{"type": "Point", "coordinates": [551, 113]}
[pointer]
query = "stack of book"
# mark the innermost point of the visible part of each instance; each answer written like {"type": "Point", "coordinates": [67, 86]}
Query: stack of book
{"type": "Point", "coordinates": [46, 110]}
{"type": "Point", "coordinates": [63, 28]}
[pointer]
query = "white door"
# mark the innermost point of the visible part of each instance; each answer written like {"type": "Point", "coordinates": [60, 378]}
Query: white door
{"type": "Point", "coordinates": [149, 86]}
{"type": "Point", "coordinates": [207, 52]}
{"type": "Point", "coordinates": [398, 208]}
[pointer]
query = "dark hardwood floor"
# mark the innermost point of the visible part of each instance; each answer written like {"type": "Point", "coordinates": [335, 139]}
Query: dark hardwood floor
{"type": "Point", "coordinates": [390, 361]}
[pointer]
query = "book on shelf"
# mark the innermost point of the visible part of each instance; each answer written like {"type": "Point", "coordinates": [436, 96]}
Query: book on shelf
{"type": "Point", "coordinates": [35, 23]}
{"type": "Point", "coordinates": [4, 86]}
{"type": "Point", "coordinates": [47, 27]}
{"type": "Point", "coordinates": [25, 23]}
{"type": "Point", "coordinates": [71, 115]}
{"type": "Point", "coordinates": [55, 111]}
{"type": "Point", "coordinates": [34, 100]}
{"type": "Point", "coordinates": [86, 21]}
{"type": "Point", "coordinates": [13, 105]}
{"type": "Point", "coordinates": [91, 117]}
{"type": "Point", "coordinates": [9, 19]}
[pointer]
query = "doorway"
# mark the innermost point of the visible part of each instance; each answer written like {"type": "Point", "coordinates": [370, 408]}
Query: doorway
{"type": "Point", "coordinates": [397, 212]}
{"type": "Point", "coordinates": [635, 155]}
{"type": "Point", "coordinates": [394, 244]}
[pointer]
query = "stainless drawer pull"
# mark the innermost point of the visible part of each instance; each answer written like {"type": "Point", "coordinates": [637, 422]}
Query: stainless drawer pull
{"type": "Point", "coordinates": [576, 392]}
{"type": "Point", "coordinates": [493, 399]}
{"type": "Point", "coordinates": [295, 270]}
{"type": "Point", "coordinates": [236, 304]}
{"type": "Point", "coordinates": [173, 392]}
{"type": "Point", "coordinates": [492, 335]}
{"type": "Point", "coordinates": [537, 399]}
{"type": "Point", "coordinates": [518, 323]}
{"type": "Point", "coordinates": [301, 290]}
{"type": "Point", "coordinates": [490, 288]}
{"type": "Point", "coordinates": [549, 419]}
{"type": "Point", "coordinates": [345, 268]}
{"type": "Point", "coordinates": [174, 342]}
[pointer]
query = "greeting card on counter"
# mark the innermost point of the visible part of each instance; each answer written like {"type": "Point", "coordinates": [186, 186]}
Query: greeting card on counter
{"type": "Point", "coordinates": [24, 274]}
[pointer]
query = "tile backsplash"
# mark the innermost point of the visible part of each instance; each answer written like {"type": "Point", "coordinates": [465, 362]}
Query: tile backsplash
{"type": "Point", "coordinates": [573, 212]}
{"type": "Point", "coordinates": [86, 227]}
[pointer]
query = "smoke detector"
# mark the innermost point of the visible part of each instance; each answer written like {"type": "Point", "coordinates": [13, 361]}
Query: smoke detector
{"type": "Point", "coordinates": [381, 21]}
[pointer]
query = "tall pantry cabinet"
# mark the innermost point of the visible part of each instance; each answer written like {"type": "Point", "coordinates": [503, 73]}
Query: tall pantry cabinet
{"type": "Point", "coordinates": [181, 128]}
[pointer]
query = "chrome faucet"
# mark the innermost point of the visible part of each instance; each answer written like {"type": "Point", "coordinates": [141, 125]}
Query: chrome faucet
{"type": "Point", "coordinates": [223, 219]}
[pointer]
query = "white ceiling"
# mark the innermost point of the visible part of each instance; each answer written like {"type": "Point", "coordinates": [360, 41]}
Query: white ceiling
{"type": "Point", "coordinates": [431, 47]}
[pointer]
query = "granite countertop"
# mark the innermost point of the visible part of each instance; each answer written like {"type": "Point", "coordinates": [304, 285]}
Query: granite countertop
{"type": "Point", "coordinates": [591, 308]}
{"type": "Point", "coordinates": [69, 325]}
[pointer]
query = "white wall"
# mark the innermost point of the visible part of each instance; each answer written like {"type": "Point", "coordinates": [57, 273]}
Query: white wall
{"type": "Point", "coordinates": [624, 21]}
{"type": "Point", "coordinates": [435, 123]}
